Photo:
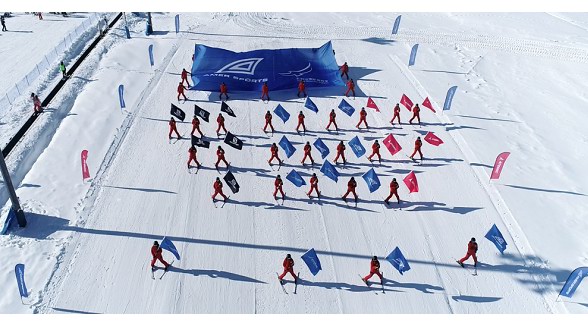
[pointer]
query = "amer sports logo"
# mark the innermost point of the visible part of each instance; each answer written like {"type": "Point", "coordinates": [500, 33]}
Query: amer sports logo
{"type": "Point", "coordinates": [400, 264]}
{"type": "Point", "coordinates": [298, 73]}
{"type": "Point", "coordinates": [371, 182]}
{"type": "Point", "coordinates": [242, 66]}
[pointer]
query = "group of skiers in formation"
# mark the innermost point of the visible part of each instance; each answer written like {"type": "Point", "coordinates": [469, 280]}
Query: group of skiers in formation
{"type": "Point", "coordinates": [288, 262]}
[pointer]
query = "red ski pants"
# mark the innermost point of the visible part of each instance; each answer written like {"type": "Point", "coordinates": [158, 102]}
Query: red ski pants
{"type": "Point", "coordinates": [375, 154]}
{"type": "Point", "coordinates": [342, 156]}
{"type": "Point", "coordinates": [415, 151]}
{"type": "Point", "coordinates": [281, 191]}
{"type": "Point", "coordinates": [473, 255]}
{"type": "Point", "coordinates": [332, 122]}
{"type": "Point", "coordinates": [372, 273]}
{"type": "Point", "coordinates": [274, 155]}
{"type": "Point", "coordinates": [217, 193]}
{"type": "Point", "coordinates": [173, 130]}
{"type": "Point", "coordinates": [288, 270]}
{"type": "Point", "coordinates": [307, 154]}
{"type": "Point", "coordinates": [160, 258]}
{"type": "Point", "coordinates": [267, 122]}
{"type": "Point", "coordinates": [221, 125]}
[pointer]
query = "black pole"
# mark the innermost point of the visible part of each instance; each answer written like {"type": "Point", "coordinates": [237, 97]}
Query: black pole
{"type": "Point", "coordinates": [20, 216]}
{"type": "Point", "coordinates": [149, 24]}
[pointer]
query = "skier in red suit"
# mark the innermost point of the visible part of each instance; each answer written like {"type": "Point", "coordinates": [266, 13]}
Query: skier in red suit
{"type": "Point", "coordinates": [185, 77]}
{"type": "Point", "coordinates": [173, 129]}
{"type": "Point", "coordinates": [350, 87]}
{"type": "Point", "coordinates": [288, 265]}
{"type": "Point", "coordinates": [156, 253]}
{"type": "Point", "coordinates": [417, 148]}
{"type": "Point", "coordinates": [472, 249]}
{"type": "Point", "coordinates": [221, 124]}
{"type": "Point", "coordinates": [307, 149]}
{"type": "Point", "coordinates": [344, 69]}
{"type": "Point", "coordinates": [265, 91]}
{"type": "Point", "coordinates": [181, 89]}
{"type": "Point", "coordinates": [332, 117]}
{"type": "Point", "coordinates": [220, 154]}
{"type": "Point", "coordinates": [416, 114]}
{"type": "Point", "coordinates": [223, 90]}
{"type": "Point", "coordinates": [301, 88]}
{"type": "Point", "coordinates": [268, 121]}
{"type": "Point", "coordinates": [301, 122]}
{"type": "Point", "coordinates": [393, 191]}
{"type": "Point", "coordinates": [362, 118]}
{"type": "Point", "coordinates": [314, 185]}
{"type": "Point", "coordinates": [192, 156]}
{"type": "Point", "coordinates": [196, 125]}
{"type": "Point", "coordinates": [37, 103]}
{"type": "Point", "coordinates": [274, 150]}
{"type": "Point", "coordinates": [218, 189]}
{"type": "Point", "coordinates": [375, 151]}
{"type": "Point", "coordinates": [374, 269]}
{"type": "Point", "coordinates": [340, 153]}
{"type": "Point", "coordinates": [351, 185]}
{"type": "Point", "coordinates": [396, 114]}
{"type": "Point", "coordinates": [278, 187]}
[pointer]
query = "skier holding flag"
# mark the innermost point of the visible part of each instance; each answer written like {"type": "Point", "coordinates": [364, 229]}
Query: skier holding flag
{"type": "Point", "coordinates": [314, 185]}
{"type": "Point", "coordinates": [156, 253]}
{"type": "Point", "coordinates": [185, 77]}
{"type": "Point", "coordinates": [340, 153]}
{"type": "Point", "coordinates": [307, 149]}
{"type": "Point", "coordinates": [351, 185]}
{"type": "Point", "coordinates": [472, 249]}
{"type": "Point", "coordinates": [268, 121]}
{"type": "Point", "coordinates": [362, 118]}
{"type": "Point", "coordinates": [196, 125]}
{"type": "Point", "coordinates": [192, 156]}
{"type": "Point", "coordinates": [301, 88]}
{"type": "Point", "coordinates": [416, 114]}
{"type": "Point", "coordinates": [375, 151]}
{"type": "Point", "coordinates": [350, 87]}
{"type": "Point", "coordinates": [221, 124]}
{"type": "Point", "coordinates": [223, 90]}
{"type": "Point", "coordinates": [301, 122]}
{"type": "Point", "coordinates": [393, 191]}
{"type": "Point", "coordinates": [220, 154]}
{"type": "Point", "coordinates": [265, 91]}
{"type": "Point", "coordinates": [288, 265]}
{"type": "Point", "coordinates": [274, 150]}
{"type": "Point", "coordinates": [374, 269]}
{"type": "Point", "coordinates": [218, 189]}
{"type": "Point", "coordinates": [181, 89]}
{"type": "Point", "coordinates": [417, 148]}
{"type": "Point", "coordinates": [344, 69]}
{"type": "Point", "coordinates": [332, 117]}
{"type": "Point", "coordinates": [278, 187]}
{"type": "Point", "coordinates": [396, 114]}
{"type": "Point", "coordinates": [172, 128]}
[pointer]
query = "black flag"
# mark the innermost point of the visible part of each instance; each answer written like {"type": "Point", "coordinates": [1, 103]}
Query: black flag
{"type": "Point", "coordinates": [225, 108]}
{"type": "Point", "coordinates": [201, 113]}
{"type": "Point", "coordinates": [200, 142]}
{"type": "Point", "coordinates": [231, 182]}
{"type": "Point", "coordinates": [233, 141]}
{"type": "Point", "coordinates": [177, 112]}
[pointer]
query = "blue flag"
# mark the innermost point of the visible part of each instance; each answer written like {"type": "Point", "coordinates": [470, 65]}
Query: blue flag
{"type": "Point", "coordinates": [177, 24]}
{"type": "Point", "coordinates": [356, 147]}
{"type": "Point", "coordinates": [167, 244]}
{"type": "Point", "coordinates": [121, 90]}
{"type": "Point", "coordinates": [10, 218]}
{"type": "Point", "coordinates": [573, 281]}
{"type": "Point", "coordinates": [330, 171]}
{"type": "Point", "coordinates": [495, 237]}
{"type": "Point", "coordinates": [295, 178]}
{"type": "Point", "coordinates": [346, 107]}
{"type": "Point", "coordinates": [321, 147]}
{"type": "Point", "coordinates": [151, 61]}
{"type": "Point", "coordinates": [398, 261]}
{"type": "Point", "coordinates": [287, 146]}
{"type": "Point", "coordinates": [372, 180]}
{"type": "Point", "coordinates": [22, 288]}
{"type": "Point", "coordinates": [310, 105]}
{"type": "Point", "coordinates": [312, 261]}
{"type": "Point", "coordinates": [449, 97]}
{"type": "Point", "coordinates": [396, 25]}
{"type": "Point", "coordinates": [413, 54]}
{"type": "Point", "coordinates": [282, 113]}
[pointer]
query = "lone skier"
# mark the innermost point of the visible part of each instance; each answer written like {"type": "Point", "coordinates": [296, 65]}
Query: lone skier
{"type": "Point", "coordinates": [393, 191]}
{"type": "Point", "coordinates": [417, 148]}
{"type": "Point", "coordinates": [340, 153]}
{"type": "Point", "coordinates": [274, 149]}
{"type": "Point", "coordinates": [416, 114]}
{"type": "Point", "coordinates": [314, 185]}
{"type": "Point", "coordinates": [268, 121]}
{"type": "Point", "coordinates": [362, 118]}
{"type": "Point", "coordinates": [220, 155]}
{"type": "Point", "coordinates": [301, 88]}
{"type": "Point", "coordinates": [278, 187]}
{"type": "Point", "coordinates": [396, 114]}
{"type": "Point", "coordinates": [472, 249]}
{"type": "Point", "coordinates": [351, 185]}
{"type": "Point", "coordinates": [332, 117]}
{"type": "Point", "coordinates": [62, 69]}
{"type": "Point", "coordinates": [265, 91]}
{"type": "Point", "coordinates": [288, 265]}
{"type": "Point", "coordinates": [2, 21]}
{"type": "Point", "coordinates": [181, 89]}
{"type": "Point", "coordinates": [221, 124]}
{"type": "Point", "coordinates": [307, 149]}
{"type": "Point", "coordinates": [374, 269]}
{"type": "Point", "coordinates": [156, 252]}
{"type": "Point", "coordinates": [173, 129]}
{"type": "Point", "coordinates": [301, 122]}
{"type": "Point", "coordinates": [192, 157]}
{"type": "Point", "coordinates": [375, 151]}
{"type": "Point", "coordinates": [185, 77]}
{"type": "Point", "coordinates": [36, 103]}
{"type": "Point", "coordinates": [223, 90]}
{"type": "Point", "coordinates": [218, 189]}
{"type": "Point", "coordinates": [350, 87]}
{"type": "Point", "coordinates": [196, 126]}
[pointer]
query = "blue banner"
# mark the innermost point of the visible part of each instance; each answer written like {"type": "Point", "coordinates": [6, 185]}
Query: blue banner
{"type": "Point", "coordinates": [573, 281]}
{"type": "Point", "coordinates": [346, 107]}
{"type": "Point", "coordinates": [495, 237]}
{"type": "Point", "coordinates": [287, 146]}
{"type": "Point", "coordinates": [396, 25]}
{"type": "Point", "coordinates": [398, 260]}
{"type": "Point", "coordinates": [177, 23]}
{"type": "Point", "coordinates": [330, 171]}
{"type": "Point", "coordinates": [282, 113]}
{"type": "Point", "coordinates": [312, 261]}
{"type": "Point", "coordinates": [167, 244]}
{"type": "Point", "coordinates": [22, 288]}
{"type": "Point", "coordinates": [295, 178]}
{"type": "Point", "coordinates": [449, 97]}
{"type": "Point", "coordinates": [322, 148]}
{"type": "Point", "coordinates": [281, 69]}
{"type": "Point", "coordinates": [151, 61]}
{"type": "Point", "coordinates": [121, 90]}
{"type": "Point", "coordinates": [308, 104]}
{"type": "Point", "coordinates": [356, 147]}
{"type": "Point", "coordinates": [372, 180]}
{"type": "Point", "coordinates": [413, 54]}
{"type": "Point", "coordinates": [10, 218]}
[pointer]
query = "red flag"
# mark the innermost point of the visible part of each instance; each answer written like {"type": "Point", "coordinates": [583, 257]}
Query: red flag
{"type": "Point", "coordinates": [392, 145]}
{"type": "Point", "coordinates": [372, 104]}
{"type": "Point", "coordinates": [498, 164]}
{"type": "Point", "coordinates": [406, 102]}
{"type": "Point", "coordinates": [433, 139]}
{"type": "Point", "coordinates": [411, 182]}
{"type": "Point", "coordinates": [428, 104]}
{"type": "Point", "coordinates": [85, 170]}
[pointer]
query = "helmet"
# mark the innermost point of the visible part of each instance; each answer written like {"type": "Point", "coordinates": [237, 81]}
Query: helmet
{"type": "Point", "coordinates": [279, 176]}
{"type": "Point", "coordinates": [314, 174]}
{"type": "Point", "coordinates": [375, 258]}
{"type": "Point", "coordinates": [218, 178]}
{"type": "Point", "coordinates": [288, 255]}
{"type": "Point", "coordinates": [155, 243]}
{"type": "Point", "coordinates": [473, 239]}
{"type": "Point", "coordinates": [394, 179]}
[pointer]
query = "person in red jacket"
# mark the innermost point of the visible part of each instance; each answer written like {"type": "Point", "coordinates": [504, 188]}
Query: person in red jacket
{"type": "Point", "coordinates": [350, 87]}
{"type": "Point", "coordinates": [396, 114]}
{"type": "Point", "coordinates": [307, 149]}
{"type": "Point", "coordinates": [301, 88]}
{"type": "Point", "coordinates": [268, 121]}
{"type": "Point", "coordinates": [156, 252]}
{"type": "Point", "coordinates": [196, 126]}
{"type": "Point", "coordinates": [340, 153]}
{"type": "Point", "coordinates": [185, 77]}
{"type": "Point", "coordinates": [265, 91]}
{"type": "Point", "coordinates": [314, 186]}
{"type": "Point", "coordinates": [351, 185]}
{"type": "Point", "coordinates": [218, 189]}
{"type": "Point", "coordinates": [173, 129]}
{"type": "Point", "coordinates": [417, 148]}
{"type": "Point", "coordinates": [416, 114]}
{"type": "Point", "coordinates": [278, 187]}
{"type": "Point", "coordinates": [36, 103]}
{"type": "Point", "coordinates": [332, 117]}
{"type": "Point", "coordinates": [221, 124]}
{"type": "Point", "coordinates": [223, 90]}
{"type": "Point", "coordinates": [274, 150]}
{"type": "Point", "coordinates": [181, 89]}
{"type": "Point", "coordinates": [192, 156]}
{"type": "Point", "coordinates": [344, 69]}
{"type": "Point", "coordinates": [220, 155]}
{"type": "Point", "coordinates": [301, 122]}
{"type": "Point", "coordinates": [374, 269]}
{"type": "Point", "coordinates": [288, 265]}
{"type": "Point", "coordinates": [393, 191]}
{"type": "Point", "coordinates": [472, 249]}
{"type": "Point", "coordinates": [362, 118]}
{"type": "Point", "coordinates": [375, 151]}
